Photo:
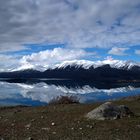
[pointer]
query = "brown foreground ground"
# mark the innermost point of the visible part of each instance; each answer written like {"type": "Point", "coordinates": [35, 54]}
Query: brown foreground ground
{"type": "Point", "coordinates": [67, 122]}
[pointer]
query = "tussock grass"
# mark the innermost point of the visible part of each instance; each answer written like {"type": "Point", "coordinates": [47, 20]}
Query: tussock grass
{"type": "Point", "coordinates": [64, 100]}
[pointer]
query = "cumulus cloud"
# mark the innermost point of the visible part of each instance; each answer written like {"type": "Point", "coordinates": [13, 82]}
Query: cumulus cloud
{"type": "Point", "coordinates": [78, 23]}
{"type": "Point", "coordinates": [118, 51]}
{"type": "Point", "coordinates": [45, 59]}
{"type": "Point", "coordinates": [137, 52]}
{"type": "Point", "coordinates": [8, 62]}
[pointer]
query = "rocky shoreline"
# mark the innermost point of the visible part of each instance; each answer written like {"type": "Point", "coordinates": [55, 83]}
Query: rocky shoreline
{"type": "Point", "coordinates": [68, 122]}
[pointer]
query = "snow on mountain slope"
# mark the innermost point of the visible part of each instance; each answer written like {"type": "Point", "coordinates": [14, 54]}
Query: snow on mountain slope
{"type": "Point", "coordinates": [86, 64]}
{"type": "Point", "coordinates": [33, 67]}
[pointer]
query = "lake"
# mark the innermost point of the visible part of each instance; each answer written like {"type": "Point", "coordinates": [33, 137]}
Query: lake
{"type": "Point", "coordinates": [42, 91]}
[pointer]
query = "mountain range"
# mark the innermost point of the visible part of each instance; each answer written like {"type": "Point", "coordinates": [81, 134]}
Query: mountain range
{"type": "Point", "coordinates": [82, 70]}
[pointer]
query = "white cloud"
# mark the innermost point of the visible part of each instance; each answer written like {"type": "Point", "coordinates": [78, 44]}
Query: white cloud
{"type": "Point", "coordinates": [8, 62]}
{"type": "Point", "coordinates": [79, 23]}
{"type": "Point", "coordinates": [137, 52]}
{"type": "Point", "coordinates": [118, 51]}
{"type": "Point", "coordinates": [44, 59]}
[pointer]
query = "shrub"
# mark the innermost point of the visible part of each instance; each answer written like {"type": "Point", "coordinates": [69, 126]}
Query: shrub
{"type": "Point", "coordinates": [64, 100]}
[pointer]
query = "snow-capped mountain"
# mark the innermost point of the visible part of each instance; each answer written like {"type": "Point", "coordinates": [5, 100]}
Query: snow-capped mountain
{"type": "Point", "coordinates": [82, 69]}
{"type": "Point", "coordinates": [86, 64]}
{"type": "Point", "coordinates": [29, 66]}
{"type": "Point", "coordinates": [95, 64]}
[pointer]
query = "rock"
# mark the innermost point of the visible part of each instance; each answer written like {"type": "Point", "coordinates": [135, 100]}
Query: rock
{"type": "Point", "coordinates": [125, 111]}
{"type": "Point", "coordinates": [91, 126]}
{"type": "Point", "coordinates": [52, 123]}
{"type": "Point", "coordinates": [30, 138]}
{"type": "Point", "coordinates": [138, 126]}
{"type": "Point", "coordinates": [28, 126]}
{"type": "Point", "coordinates": [44, 128]}
{"type": "Point", "coordinates": [32, 120]}
{"type": "Point", "coordinates": [72, 128]}
{"type": "Point", "coordinates": [54, 133]}
{"type": "Point", "coordinates": [12, 124]}
{"type": "Point", "coordinates": [108, 111]}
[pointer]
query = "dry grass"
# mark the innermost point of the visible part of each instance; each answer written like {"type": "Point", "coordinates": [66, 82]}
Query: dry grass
{"type": "Point", "coordinates": [66, 122]}
{"type": "Point", "coordinates": [64, 100]}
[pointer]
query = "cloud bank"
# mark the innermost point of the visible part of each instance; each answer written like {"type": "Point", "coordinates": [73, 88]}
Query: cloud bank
{"type": "Point", "coordinates": [45, 59]}
{"type": "Point", "coordinates": [79, 24]}
{"type": "Point", "coordinates": [118, 51]}
{"type": "Point", "coordinates": [137, 52]}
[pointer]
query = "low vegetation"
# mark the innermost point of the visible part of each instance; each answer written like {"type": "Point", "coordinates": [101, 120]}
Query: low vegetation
{"type": "Point", "coordinates": [64, 100]}
{"type": "Point", "coordinates": [67, 122]}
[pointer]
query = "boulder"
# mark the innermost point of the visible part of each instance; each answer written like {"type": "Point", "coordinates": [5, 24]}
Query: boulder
{"type": "Point", "coordinates": [109, 111]}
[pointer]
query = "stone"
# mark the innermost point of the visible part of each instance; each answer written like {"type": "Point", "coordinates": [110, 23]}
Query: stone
{"type": "Point", "coordinates": [32, 120]}
{"type": "Point", "coordinates": [109, 111]}
{"type": "Point", "coordinates": [12, 124]}
{"type": "Point", "coordinates": [28, 126]}
{"type": "Point", "coordinates": [52, 123]}
{"type": "Point", "coordinates": [44, 128]}
{"type": "Point", "coordinates": [125, 111]}
{"type": "Point", "coordinates": [54, 133]}
{"type": "Point", "coordinates": [138, 126]}
{"type": "Point", "coordinates": [30, 138]}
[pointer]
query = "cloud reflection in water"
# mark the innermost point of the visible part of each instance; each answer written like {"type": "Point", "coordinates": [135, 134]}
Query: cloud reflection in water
{"type": "Point", "coordinates": [41, 93]}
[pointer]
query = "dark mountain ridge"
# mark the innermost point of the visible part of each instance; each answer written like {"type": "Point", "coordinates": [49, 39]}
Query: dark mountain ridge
{"type": "Point", "coordinates": [104, 72]}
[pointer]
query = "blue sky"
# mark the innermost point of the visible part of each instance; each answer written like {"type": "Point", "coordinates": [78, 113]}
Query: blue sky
{"type": "Point", "coordinates": [101, 53]}
{"type": "Point", "coordinates": [46, 32]}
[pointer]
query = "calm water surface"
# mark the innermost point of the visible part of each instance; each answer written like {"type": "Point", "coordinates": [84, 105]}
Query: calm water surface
{"type": "Point", "coordinates": [40, 92]}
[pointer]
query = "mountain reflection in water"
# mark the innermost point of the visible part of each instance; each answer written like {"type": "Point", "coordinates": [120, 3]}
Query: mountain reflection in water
{"type": "Point", "coordinates": [40, 92]}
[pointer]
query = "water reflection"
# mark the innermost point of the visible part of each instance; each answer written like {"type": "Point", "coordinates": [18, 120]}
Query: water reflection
{"type": "Point", "coordinates": [41, 92]}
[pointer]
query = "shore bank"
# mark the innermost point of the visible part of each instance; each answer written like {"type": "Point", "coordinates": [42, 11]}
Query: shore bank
{"type": "Point", "coordinates": [67, 122]}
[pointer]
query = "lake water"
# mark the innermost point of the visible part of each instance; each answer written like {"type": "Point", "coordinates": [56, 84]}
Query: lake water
{"type": "Point", "coordinates": [41, 92]}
